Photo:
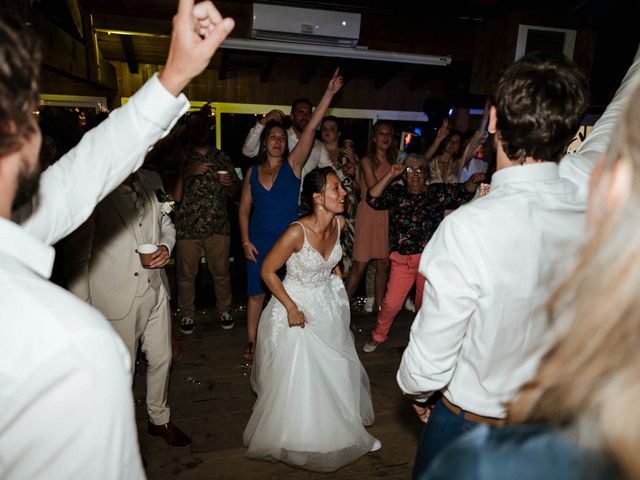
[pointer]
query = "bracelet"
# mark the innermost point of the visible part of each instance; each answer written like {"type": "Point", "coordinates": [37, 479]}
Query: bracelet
{"type": "Point", "coordinates": [244, 244]}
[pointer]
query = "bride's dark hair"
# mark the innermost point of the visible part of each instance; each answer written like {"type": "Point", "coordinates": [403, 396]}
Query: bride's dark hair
{"type": "Point", "coordinates": [314, 182]}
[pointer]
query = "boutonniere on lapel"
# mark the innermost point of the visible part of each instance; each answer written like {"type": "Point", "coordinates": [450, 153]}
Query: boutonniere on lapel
{"type": "Point", "coordinates": [167, 203]}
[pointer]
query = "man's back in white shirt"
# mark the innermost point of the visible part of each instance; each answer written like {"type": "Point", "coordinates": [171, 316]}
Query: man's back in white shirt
{"type": "Point", "coordinates": [488, 267]}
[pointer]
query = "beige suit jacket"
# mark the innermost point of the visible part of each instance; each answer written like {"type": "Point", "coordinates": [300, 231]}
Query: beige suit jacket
{"type": "Point", "coordinates": [106, 268]}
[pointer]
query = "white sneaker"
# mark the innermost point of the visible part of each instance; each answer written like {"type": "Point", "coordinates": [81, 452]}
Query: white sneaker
{"type": "Point", "coordinates": [370, 346]}
{"type": "Point", "coordinates": [368, 304]}
{"type": "Point", "coordinates": [186, 325]}
{"type": "Point", "coordinates": [226, 321]}
{"type": "Point", "coordinates": [377, 445]}
{"type": "Point", "coordinates": [409, 305]}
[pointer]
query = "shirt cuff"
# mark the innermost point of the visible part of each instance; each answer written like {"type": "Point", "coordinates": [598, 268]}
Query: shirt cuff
{"type": "Point", "coordinates": [158, 105]}
{"type": "Point", "coordinates": [166, 245]}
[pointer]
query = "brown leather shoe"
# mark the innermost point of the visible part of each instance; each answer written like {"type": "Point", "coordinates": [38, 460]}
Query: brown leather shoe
{"type": "Point", "coordinates": [171, 434]}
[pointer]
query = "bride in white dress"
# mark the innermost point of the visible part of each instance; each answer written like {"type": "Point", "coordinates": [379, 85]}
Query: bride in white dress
{"type": "Point", "coordinates": [313, 393]}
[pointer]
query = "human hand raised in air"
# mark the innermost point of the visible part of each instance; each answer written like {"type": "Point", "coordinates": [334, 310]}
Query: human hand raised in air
{"type": "Point", "coordinates": [274, 115]}
{"type": "Point", "coordinates": [198, 31]}
{"type": "Point", "coordinates": [396, 170]}
{"type": "Point", "coordinates": [335, 83]}
{"type": "Point", "coordinates": [443, 131]}
{"type": "Point", "coordinates": [474, 181]}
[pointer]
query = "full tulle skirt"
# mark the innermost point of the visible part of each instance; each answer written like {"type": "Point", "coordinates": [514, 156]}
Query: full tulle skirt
{"type": "Point", "coordinates": [313, 393]}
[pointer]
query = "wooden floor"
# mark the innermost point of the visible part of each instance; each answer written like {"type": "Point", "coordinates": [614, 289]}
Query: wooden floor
{"type": "Point", "coordinates": [211, 400]}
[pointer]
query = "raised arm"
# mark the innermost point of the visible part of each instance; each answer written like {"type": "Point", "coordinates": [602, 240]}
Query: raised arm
{"type": "Point", "coordinates": [251, 145]}
{"type": "Point", "coordinates": [479, 136]}
{"type": "Point", "coordinates": [198, 31]}
{"type": "Point", "coordinates": [71, 188]}
{"type": "Point", "coordinates": [291, 241]}
{"type": "Point", "coordinates": [577, 167]}
{"type": "Point", "coordinates": [441, 134]}
{"type": "Point", "coordinates": [301, 151]}
{"type": "Point", "coordinates": [379, 187]}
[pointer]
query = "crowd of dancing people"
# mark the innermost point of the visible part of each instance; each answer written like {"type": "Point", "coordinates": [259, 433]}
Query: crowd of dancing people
{"type": "Point", "coordinates": [522, 359]}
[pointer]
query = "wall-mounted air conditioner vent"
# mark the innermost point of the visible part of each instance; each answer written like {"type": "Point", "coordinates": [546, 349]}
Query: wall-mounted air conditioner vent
{"type": "Point", "coordinates": [535, 39]}
{"type": "Point", "coordinates": [305, 25]}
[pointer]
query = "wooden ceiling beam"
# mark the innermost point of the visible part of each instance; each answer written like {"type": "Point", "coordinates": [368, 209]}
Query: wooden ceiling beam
{"type": "Point", "coordinates": [309, 68]}
{"type": "Point", "coordinates": [225, 63]}
{"type": "Point", "coordinates": [129, 53]}
{"type": "Point", "coordinates": [267, 68]}
{"type": "Point", "coordinates": [419, 78]}
{"type": "Point", "coordinates": [383, 76]}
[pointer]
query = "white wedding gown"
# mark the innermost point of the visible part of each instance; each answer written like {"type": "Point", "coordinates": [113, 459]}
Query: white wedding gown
{"type": "Point", "coordinates": [313, 392]}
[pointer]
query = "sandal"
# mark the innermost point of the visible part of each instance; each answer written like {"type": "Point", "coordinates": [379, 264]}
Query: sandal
{"type": "Point", "coordinates": [249, 352]}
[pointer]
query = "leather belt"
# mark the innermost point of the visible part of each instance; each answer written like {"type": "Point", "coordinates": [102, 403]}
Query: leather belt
{"type": "Point", "coordinates": [494, 421]}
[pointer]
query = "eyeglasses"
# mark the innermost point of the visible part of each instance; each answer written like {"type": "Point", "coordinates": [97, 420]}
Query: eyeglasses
{"type": "Point", "coordinates": [414, 170]}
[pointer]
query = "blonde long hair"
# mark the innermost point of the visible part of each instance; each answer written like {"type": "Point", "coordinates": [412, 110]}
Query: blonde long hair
{"type": "Point", "coordinates": [590, 379]}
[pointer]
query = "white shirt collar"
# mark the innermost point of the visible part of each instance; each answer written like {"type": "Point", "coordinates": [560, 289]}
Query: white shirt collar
{"type": "Point", "coordinates": [25, 248]}
{"type": "Point", "coordinates": [529, 172]}
{"type": "Point", "coordinates": [292, 134]}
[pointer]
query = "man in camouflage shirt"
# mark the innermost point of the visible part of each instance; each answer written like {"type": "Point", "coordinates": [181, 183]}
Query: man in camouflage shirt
{"type": "Point", "coordinates": [202, 224]}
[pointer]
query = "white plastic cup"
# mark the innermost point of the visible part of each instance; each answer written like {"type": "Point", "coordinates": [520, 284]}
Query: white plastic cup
{"type": "Point", "coordinates": [146, 251]}
{"type": "Point", "coordinates": [222, 174]}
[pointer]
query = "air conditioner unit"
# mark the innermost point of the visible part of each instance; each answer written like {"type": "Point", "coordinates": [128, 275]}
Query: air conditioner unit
{"type": "Point", "coordinates": [532, 39]}
{"type": "Point", "coordinates": [305, 25]}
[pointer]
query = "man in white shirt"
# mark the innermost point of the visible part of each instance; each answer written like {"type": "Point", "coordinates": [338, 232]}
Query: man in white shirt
{"type": "Point", "coordinates": [488, 266]}
{"type": "Point", "coordinates": [301, 110]}
{"type": "Point", "coordinates": [67, 409]}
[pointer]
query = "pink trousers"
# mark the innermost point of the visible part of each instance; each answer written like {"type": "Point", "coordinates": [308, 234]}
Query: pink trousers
{"type": "Point", "coordinates": [402, 275]}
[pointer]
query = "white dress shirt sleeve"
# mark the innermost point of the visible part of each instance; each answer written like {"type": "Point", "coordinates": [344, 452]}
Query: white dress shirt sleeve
{"type": "Point", "coordinates": [106, 155]}
{"type": "Point", "coordinates": [251, 145]}
{"type": "Point", "coordinates": [450, 297]}
{"type": "Point", "coordinates": [324, 160]}
{"type": "Point", "coordinates": [577, 167]}
{"type": "Point", "coordinates": [317, 155]}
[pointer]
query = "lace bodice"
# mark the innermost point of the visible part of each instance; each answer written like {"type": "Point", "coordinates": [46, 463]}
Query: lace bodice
{"type": "Point", "coordinates": [308, 267]}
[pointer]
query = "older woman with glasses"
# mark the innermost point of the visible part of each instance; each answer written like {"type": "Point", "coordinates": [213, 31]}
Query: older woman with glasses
{"type": "Point", "coordinates": [415, 211]}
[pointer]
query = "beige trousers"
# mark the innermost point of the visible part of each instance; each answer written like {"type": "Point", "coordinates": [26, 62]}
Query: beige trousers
{"type": "Point", "coordinates": [148, 321]}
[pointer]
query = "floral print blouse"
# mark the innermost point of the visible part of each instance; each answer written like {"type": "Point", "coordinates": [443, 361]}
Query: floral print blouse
{"type": "Point", "coordinates": [203, 211]}
{"type": "Point", "coordinates": [413, 218]}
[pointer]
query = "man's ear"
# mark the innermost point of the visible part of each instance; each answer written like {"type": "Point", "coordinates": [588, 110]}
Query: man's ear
{"type": "Point", "coordinates": [493, 120]}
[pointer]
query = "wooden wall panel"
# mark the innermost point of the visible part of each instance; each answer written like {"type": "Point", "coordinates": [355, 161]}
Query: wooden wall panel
{"type": "Point", "coordinates": [496, 47]}
{"type": "Point", "coordinates": [244, 86]}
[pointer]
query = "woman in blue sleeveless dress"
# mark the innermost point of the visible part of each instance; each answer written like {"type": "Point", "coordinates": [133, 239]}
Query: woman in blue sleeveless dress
{"type": "Point", "coordinates": [314, 399]}
{"type": "Point", "coordinates": [271, 190]}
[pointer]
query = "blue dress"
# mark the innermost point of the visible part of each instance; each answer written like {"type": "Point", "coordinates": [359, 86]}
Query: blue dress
{"type": "Point", "coordinates": [273, 211]}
